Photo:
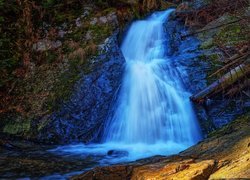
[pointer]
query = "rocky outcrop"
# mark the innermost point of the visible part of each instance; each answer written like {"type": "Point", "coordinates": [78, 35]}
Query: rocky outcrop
{"type": "Point", "coordinates": [220, 33]}
{"type": "Point", "coordinates": [226, 154]}
{"type": "Point", "coordinates": [81, 118]}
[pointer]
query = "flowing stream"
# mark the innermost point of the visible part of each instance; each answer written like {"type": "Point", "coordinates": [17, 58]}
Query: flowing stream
{"type": "Point", "coordinates": [153, 114]}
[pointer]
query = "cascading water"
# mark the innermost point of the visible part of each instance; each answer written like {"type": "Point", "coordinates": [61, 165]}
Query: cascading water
{"type": "Point", "coordinates": [152, 106]}
{"type": "Point", "coordinates": [153, 114]}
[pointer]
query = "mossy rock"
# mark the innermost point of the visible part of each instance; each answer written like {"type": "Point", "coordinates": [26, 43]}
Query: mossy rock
{"type": "Point", "coordinates": [233, 34]}
{"type": "Point", "coordinates": [208, 44]}
{"type": "Point", "coordinates": [100, 32]}
{"type": "Point", "coordinates": [21, 127]}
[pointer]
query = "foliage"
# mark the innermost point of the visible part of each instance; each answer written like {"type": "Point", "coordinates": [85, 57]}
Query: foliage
{"type": "Point", "coordinates": [21, 25]}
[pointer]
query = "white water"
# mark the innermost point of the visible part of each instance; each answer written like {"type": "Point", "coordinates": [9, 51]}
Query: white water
{"type": "Point", "coordinates": [153, 114]}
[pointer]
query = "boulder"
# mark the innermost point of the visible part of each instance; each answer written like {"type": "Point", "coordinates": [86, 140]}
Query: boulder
{"type": "Point", "coordinates": [45, 44]}
{"type": "Point", "coordinates": [117, 153]}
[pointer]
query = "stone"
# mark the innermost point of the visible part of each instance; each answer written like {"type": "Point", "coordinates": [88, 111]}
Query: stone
{"type": "Point", "coordinates": [112, 18]}
{"type": "Point", "coordinates": [86, 12]}
{"type": "Point", "coordinates": [78, 22]}
{"type": "Point", "coordinates": [88, 35]}
{"type": "Point", "coordinates": [45, 44]}
{"type": "Point", "coordinates": [103, 20]}
{"type": "Point", "coordinates": [61, 33]}
{"type": "Point", "coordinates": [117, 153]}
{"type": "Point", "coordinates": [93, 21]}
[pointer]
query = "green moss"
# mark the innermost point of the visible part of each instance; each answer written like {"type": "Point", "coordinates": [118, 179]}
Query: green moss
{"type": "Point", "coordinates": [203, 57]}
{"type": "Point", "coordinates": [136, 13]}
{"type": "Point", "coordinates": [48, 3]}
{"type": "Point", "coordinates": [214, 57]}
{"type": "Point", "coordinates": [232, 35]}
{"type": "Point", "coordinates": [17, 128]}
{"type": "Point", "coordinates": [208, 44]}
{"type": "Point", "coordinates": [67, 49]}
{"type": "Point", "coordinates": [51, 56]}
{"type": "Point", "coordinates": [109, 10]}
{"type": "Point", "coordinates": [100, 32]}
{"type": "Point", "coordinates": [78, 34]}
{"type": "Point", "coordinates": [61, 17]}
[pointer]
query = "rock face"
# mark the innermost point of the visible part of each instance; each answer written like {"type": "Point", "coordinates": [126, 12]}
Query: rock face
{"type": "Point", "coordinates": [220, 109]}
{"type": "Point", "coordinates": [226, 154]}
{"type": "Point", "coordinates": [82, 116]}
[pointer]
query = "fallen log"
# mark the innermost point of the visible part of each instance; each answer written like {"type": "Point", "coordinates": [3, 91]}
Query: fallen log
{"type": "Point", "coordinates": [225, 81]}
{"type": "Point", "coordinates": [243, 51]}
{"type": "Point", "coordinates": [235, 59]}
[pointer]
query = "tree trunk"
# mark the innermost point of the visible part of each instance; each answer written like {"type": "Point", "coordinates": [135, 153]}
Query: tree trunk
{"type": "Point", "coordinates": [225, 81]}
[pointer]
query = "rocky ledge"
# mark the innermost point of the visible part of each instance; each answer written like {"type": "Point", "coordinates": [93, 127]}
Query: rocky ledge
{"type": "Point", "coordinates": [225, 154]}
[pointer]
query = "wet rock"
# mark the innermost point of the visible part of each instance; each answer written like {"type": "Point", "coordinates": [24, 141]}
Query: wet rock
{"type": "Point", "coordinates": [78, 22]}
{"type": "Point", "coordinates": [88, 35]}
{"type": "Point", "coordinates": [44, 45]}
{"type": "Point", "coordinates": [82, 117]}
{"type": "Point", "coordinates": [112, 18]}
{"type": "Point", "coordinates": [61, 33]}
{"type": "Point", "coordinates": [93, 21]}
{"type": "Point", "coordinates": [103, 20]}
{"type": "Point", "coordinates": [118, 172]}
{"type": "Point", "coordinates": [5, 144]}
{"type": "Point", "coordinates": [86, 12]}
{"type": "Point", "coordinates": [117, 153]}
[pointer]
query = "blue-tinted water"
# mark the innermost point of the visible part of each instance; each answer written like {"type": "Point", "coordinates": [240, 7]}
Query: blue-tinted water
{"type": "Point", "coordinates": [153, 113]}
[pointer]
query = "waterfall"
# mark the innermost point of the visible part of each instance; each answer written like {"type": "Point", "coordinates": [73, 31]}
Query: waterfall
{"type": "Point", "coordinates": [152, 114]}
{"type": "Point", "coordinates": [152, 105]}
